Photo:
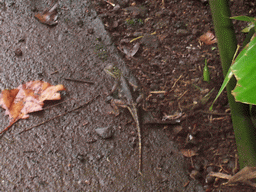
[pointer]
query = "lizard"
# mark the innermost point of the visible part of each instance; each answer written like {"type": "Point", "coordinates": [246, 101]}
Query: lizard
{"type": "Point", "coordinates": [128, 102]}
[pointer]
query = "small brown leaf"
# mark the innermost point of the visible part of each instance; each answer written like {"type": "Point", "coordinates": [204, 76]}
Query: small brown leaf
{"type": "Point", "coordinates": [27, 98]}
{"type": "Point", "coordinates": [188, 152]}
{"type": "Point", "coordinates": [48, 17]}
{"type": "Point", "coordinates": [130, 52]}
{"type": "Point", "coordinates": [208, 38]}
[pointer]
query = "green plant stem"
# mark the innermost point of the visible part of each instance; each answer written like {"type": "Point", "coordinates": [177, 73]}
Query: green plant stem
{"type": "Point", "coordinates": [243, 127]}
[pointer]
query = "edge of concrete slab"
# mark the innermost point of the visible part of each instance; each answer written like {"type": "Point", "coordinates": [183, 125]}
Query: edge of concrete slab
{"type": "Point", "coordinates": [99, 29]}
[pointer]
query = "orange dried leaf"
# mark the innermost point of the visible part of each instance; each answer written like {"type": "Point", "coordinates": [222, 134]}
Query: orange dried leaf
{"type": "Point", "coordinates": [188, 152]}
{"type": "Point", "coordinates": [208, 38]}
{"type": "Point", "coordinates": [48, 17]}
{"type": "Point", "coordinates": [27, 98]}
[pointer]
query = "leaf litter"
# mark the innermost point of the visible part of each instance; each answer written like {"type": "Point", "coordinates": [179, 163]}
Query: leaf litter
{"type": "Point", "coordinates": [27, 98]}
{"type": "Point", "coordinates": [208, 38]}
{"type": "Point", "coordinates": [247, 175]}
{"type": "Point", "coordinates": [49, 16]}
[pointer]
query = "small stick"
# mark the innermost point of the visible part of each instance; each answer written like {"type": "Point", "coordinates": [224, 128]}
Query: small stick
{"type": "Point", "coordinates": [58, 104]}
{"type": "Point", "coordinates": [214, 113]}
{"type": "Point", "coordinates": [8, 127]}
{"type": "Point", "coordinates": [176, 81]}
{"type": "Point", "coordinates": [80, 81]}
{"type": "Point", "coordinates": [54, 72]}
{"type": "Point", "coordinates": [134, 112]}
{"type": "Point", "coordinates": [4, 6]}
{"type": "Point", "coordinates": [88, 102]}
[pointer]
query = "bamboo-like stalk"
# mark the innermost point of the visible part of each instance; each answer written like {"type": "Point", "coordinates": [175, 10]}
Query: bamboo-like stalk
{"type": "Point", "coordinates": [245, 132]}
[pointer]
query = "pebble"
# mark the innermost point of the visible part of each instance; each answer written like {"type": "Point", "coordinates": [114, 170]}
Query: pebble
{"type": "Point", "coordinates": [132, 142]}
{"type": "Point", "coordinates": [150, 41]}
{"type": "Point", "coordinates": [80, 23]}
{"type": "Point", "coordinates": [161, 13]}
{"type": "Point", "coordinates": [18, 52]}
{"type": "Point", "coordinates": [108, 99]}
{"type": "Point", "coordinates": [225, 161]}
{"type": "Point", "coordinates": [198, 166]}
{"type": "Point", "coordinates": [123, 3]}
{"type": "Point", "coordinates": [195, 32]}
{"type": "Point", "coordinates": [231, 164]}
{"type": "Point", "coordinates": [182, 32]}
{"type": "Point", "coordinates": [181, 62]}
{"type": "Point", "coordinates": [90, 30]}
{"type": "Point", "coordinates": [210, 169]}
{"type": "Point", "coordinates": [195, 174]}
{"type": "Point", "coordinates": [137, 11]}
{"type": "Point", "coordinates": [105, 132]}
{"type": "Point", "coordinates": [209, 179]}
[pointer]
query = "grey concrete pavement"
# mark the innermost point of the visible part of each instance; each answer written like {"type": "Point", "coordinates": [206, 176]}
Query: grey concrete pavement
{"type": "Point", "coordinates": [66, 154]}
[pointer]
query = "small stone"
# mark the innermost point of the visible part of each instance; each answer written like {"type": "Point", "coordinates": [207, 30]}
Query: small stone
{"type": "Point", "coordinates": [22, 39]}
{"type": "Point", "coordinates": [181, 62]}
{"type": "Point", "coordinates": [171, 14]}
{"type": "Point", "coordinates": [132, 142]}
{"type": "Point", "coordinates": [231, 164]}
{"type": "Point", "coordinates": [161, 13]}
{"type": "Point", "coordinates": [195, 174]}
{"type": "Point", "coordinates": [18, 52]}
{"type": "Point", "coordinates": [180, 25]}
{"type": "Point", "coordinates": [182, 32]}
{"type": "Point", "coordinates": [210, 169]}
{"type": "Point", "coordinates": [195, 32]}
{"type": "Point", "coordinates": [209, 179]}
{"type": "Point", "coordinates": [123, 3]}
{"type": "Point", "coordinates": [116, 8]}
{"type": "Point", "coordinates": [105, 132]}
{"type": "Point", "coordinates": [90, 31]}
{"type": "Point", "coordinates": [150, 41]}
{"type": "Point", "coordinates": [80, 23]}
{"type": "Point", "coordinates": [108, 99]}
{"type": "Point", "coordinates": [198, 166]}
{"type": "Point", "coordinates": [81, 157]}
{"type": "Point", "coordinates": [137, 11]}
{"type": "Point", "coordinates": [225, 161]}
{"type": "Point", "coordinates": [137, 34]}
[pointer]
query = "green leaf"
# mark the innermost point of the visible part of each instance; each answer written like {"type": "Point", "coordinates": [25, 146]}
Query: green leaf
{"type": "Point", "coordinates": [244, 70]}
{"type": "Point", "coordinates": [244, 18]}
{"type": "Point", "coordinates": [247, 29]}
{"type": "Point", "coordinates": [206, 73]}
{"type": "Point", "coordinates": [224, 84]}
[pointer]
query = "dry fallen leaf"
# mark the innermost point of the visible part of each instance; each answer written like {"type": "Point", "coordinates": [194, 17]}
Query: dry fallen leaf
{"type": "Point", "coordinates": [48, 17]}
{"type": "Point", "coordinates": [130, 52]}
{"type": "Point", "coordinates": [188, 152]}
{"type": "Point", "coordinates": [246, 176]}
{"type": "Point", "coordinates": [208, 38]}
{"type": "Point", "coordinates": [27, 98]}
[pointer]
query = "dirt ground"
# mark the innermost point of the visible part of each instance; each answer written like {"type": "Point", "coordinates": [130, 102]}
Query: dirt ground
{"type": "Point", "coordinates": [169, 66]}
{"type": "Point", "coordinates": [70, 153]}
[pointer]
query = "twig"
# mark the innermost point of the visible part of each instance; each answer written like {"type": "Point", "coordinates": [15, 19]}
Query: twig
{"type": "Point", "coordinates": [176, 81]}
{"type": "Point", "coordinates": [80, 81]}
{"type": "Point", "coordinates": [4, 6]}
{"type": "Point", "coordinates": [54, 72]}
{"type": "Point", "coordinates": [177, 121]}
{"type": "Point", "coordinates": [59, 103]}
{"type": "Point", "coordinates": [214, 113]}
{"type": "Point", "coordinates": [134, 112]}
{"type": "Point", "coordinates": [88, 102]}
{"type": "Point", "coordinates": [8, 127]}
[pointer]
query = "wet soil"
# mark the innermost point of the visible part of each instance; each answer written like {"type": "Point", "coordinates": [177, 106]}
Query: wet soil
{"type": "Point", "coordinates": [169, 66]}
{"type": "Point", "coordinates": [69, 153]}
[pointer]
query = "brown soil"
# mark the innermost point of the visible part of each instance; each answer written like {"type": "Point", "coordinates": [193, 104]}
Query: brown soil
{"type": "Point", "coordinates": [169, 66]}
